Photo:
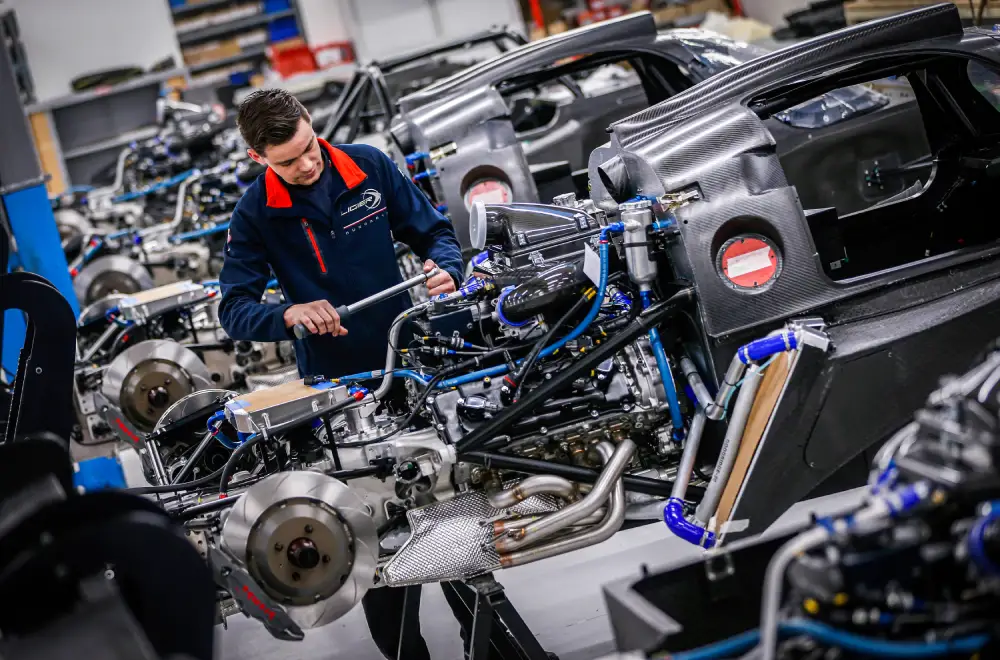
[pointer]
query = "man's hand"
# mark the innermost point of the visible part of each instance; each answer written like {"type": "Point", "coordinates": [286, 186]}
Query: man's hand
{"type": "Point", "coordinates": [440, 283]}
{"type": "Point", "coordinates": [319, 317]}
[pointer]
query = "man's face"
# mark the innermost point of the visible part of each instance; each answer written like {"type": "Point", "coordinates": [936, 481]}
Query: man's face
{"type": "Point", "coordinates": [298, 161]}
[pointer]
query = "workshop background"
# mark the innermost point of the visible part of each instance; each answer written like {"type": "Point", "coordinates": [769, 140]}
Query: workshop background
{"type": "Point", "coordinates": [87, 75]}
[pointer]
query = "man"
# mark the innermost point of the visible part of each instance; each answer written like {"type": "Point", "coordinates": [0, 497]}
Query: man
{"type": "Point", "coordinates": [323, 218]}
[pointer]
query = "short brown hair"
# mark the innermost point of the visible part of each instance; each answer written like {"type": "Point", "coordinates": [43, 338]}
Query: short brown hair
{"type": "Point", "coordinates": [269, 117]}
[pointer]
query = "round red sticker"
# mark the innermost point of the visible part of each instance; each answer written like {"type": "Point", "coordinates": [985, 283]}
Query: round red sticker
{"type": "Point", "coordinates": [749, 261]}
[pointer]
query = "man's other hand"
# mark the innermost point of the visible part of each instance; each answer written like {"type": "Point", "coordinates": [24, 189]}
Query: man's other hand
{"type": "Point", "coordinates": [319, 317]}
{"type": "Point", "coordinates": [440, 283]}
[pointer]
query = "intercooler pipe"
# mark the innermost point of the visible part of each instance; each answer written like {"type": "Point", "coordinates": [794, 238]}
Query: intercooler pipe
{"type": "Point", "coordinates": [573, 513]}
{"type": "Point", "coordinates": [712, 409]}
{"type": "Point", "coordinates": [673, 513]}
{"type": "Point", "coordinates": [731, 444]}
{"type": "Point", "coordinates": [612, 522]}
{"type": "Point", "coordinates": [537, 485]}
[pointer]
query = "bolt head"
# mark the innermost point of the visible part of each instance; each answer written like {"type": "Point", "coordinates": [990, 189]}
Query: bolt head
{"type": "Point", "coordinates": [278, 547]}
{"type": "Point", "coordinates": [309, 529]}
{"type": "Point", "coordinates": [296, 577]}
{"type": "Point", "coordinates": [326, 559]}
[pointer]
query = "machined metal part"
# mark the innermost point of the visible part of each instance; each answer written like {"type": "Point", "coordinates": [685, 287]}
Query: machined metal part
{"type": "Point", "coordinates": [147, 379]}
{"type": "Point", "coordinates": [431, 455]}
{"type": "Point", "coordinates": [638, 364]}
{"type": "Point", "coordinates": [310, 542]}
{"type": "Point", "coordinates": [146, 304]}
{"type": "Point", "coordinates": [98, 309]}
{"type": "Point", "coordinates": [192, 402]}
{"type": "Point", "coordinates": [267, 408]}
{"type": "Point", "coordinates": [110, 274]}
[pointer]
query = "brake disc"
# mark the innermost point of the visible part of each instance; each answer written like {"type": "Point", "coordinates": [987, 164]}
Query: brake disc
{"type": "Point", "coordinates": [108, 275]}
{"type": "Point", "coordinates": [310, 542]}
{"type": "Point", "coordinates": [145, 380]}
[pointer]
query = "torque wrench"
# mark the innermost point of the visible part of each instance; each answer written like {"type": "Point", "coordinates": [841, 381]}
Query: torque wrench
{"type": "Point", "coordinates": [345, 311]}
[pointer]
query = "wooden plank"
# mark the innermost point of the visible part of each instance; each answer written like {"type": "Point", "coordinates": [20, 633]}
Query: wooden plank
{"type": "Point", "coordinates": [48, 151]}
{"type": "Point", "coordinates": [760, 415]}
{"type": "Point", "coordinates": [272, 396]}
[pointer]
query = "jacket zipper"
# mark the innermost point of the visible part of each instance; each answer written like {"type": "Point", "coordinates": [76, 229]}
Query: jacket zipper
{"type": "Point", "coordinates": [315, 245]}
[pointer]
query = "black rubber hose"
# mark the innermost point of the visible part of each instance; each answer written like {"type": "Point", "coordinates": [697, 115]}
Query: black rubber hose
{"type": "Point", "coordinates": [517, 379]}
{"type": "Point", "coordinates": [234, 458]}
{"type": "Point", "coordinates": [650, 318]}
{"type": "Point", "coordinates": [173, 488]}
{"type": "Point", "coordinates": [645, 485]}
{"type": "Point", "coordinates": [225, 502]}
{"type": "Point", "coordinates": [428, 390]}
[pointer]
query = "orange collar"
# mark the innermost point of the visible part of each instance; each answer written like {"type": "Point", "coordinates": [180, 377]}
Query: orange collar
{"type": "Point", "coordinates": [277, 192]}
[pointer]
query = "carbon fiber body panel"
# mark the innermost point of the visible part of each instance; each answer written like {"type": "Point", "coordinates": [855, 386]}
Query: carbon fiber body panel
{"type": "Point", "coordinates": [707, 139]}
{"type": "Point", "coordinates": [906, 30]}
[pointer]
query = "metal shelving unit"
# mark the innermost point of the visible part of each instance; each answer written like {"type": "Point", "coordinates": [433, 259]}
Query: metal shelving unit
{"type": "Point", "coordinates": [227, 30]}
{"type": "Point", "coordinates": [248, 54]}
{"type": "Point", "coordinates": [240, 24]}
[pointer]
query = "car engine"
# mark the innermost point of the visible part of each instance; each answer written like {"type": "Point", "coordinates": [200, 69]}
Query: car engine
{"type": "Point", "coordinates": [553, 397]}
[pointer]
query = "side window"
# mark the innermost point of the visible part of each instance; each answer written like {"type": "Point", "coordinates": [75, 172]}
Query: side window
{"type": "Point", "coordinates": [855, 147]}
{"type": "Point", "coordinates": [608, 79]}
{"type": "Point", "coordinates": [875, 194]}
{"type": "Point", "coordinates": [531, 110]}
{"type": "Point", "coordinates": [986, 81]}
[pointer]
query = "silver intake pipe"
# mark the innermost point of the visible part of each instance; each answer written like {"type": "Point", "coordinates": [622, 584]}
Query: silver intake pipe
{"type": "Point", "coordinates": [713, 410]}
{"type": "Point", "coordinates": [612, 522]}
{"type": "Point", "coordinates": [536, 485]}
{"type": "Point", "coordinates": [731, 444]}
{"type": "Point", "coordinates": [571, 514]}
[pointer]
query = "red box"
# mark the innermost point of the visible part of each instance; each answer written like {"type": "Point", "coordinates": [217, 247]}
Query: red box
{"type": "Point", "coordinates": [290, 61]}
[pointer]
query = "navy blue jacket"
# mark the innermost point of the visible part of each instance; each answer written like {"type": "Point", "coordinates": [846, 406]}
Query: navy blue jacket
{"type": "Point", "coordinates": [342, 258]}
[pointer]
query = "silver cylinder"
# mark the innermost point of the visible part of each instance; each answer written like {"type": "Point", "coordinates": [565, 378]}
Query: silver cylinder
{"type": "Point", "coordinates": [689, 456]}
{"type": "Point", "coordinates": [536, 485]}
{"type": "Point", "coordinates": [731, 445]}
{"type": "Point", "coordinates": [713, 410]}
{"type": "Point", "coordinates": [733, 375]}
{"type": "Point", "coordinates": [573, 513]}
{"type": "Point", "coordinates": [637, 218]}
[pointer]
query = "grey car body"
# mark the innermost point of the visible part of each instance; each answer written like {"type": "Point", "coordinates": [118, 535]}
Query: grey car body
{"type": "Point", "coordinates": [464, 129]}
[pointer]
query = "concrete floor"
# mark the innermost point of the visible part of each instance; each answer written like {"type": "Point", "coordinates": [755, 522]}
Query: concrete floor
{"type": "Point", "coordinates": [560, 599]}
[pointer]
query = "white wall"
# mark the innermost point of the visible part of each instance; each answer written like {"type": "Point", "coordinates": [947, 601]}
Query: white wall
{"type": "Point", "coordinates": [385, 28]}
{"type": "Point", "coordinates": [325, 21]}
{"type": "Point", "coordinates": [772, 11]}
{"type": "Point", "coordinates": [67, 38]}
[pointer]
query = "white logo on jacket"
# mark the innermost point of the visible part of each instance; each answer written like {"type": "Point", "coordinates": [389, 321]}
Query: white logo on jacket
{"type": "Point", "coordinates": [370, 199]}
